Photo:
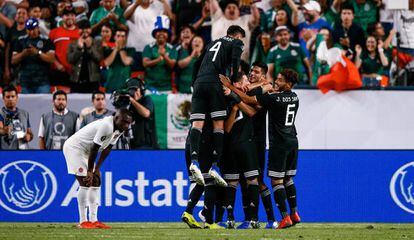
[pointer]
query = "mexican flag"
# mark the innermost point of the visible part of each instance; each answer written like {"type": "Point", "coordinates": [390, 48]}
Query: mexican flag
{"type": "Point", "coordinates": [172, 119]}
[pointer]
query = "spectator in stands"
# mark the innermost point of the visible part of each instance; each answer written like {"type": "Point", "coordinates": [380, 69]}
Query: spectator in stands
{"type": "Point", "coordinates": [62, 37]}
{"type": "Point", "coordinates": [287, 55]}
{"type": "Point", "coordinates": [17, 30]}
{"type": "Point", "coordinates": [268, 19]}
{"type": "Point", "coordinates": [81, 9]}
{"type": "Point", "coordinates": [118, 60]}
{"type": "Point", "coordinates": [371, 62]}
{"type": "Point", "coordinates": [202, 24]}
{"type": "Point", "coordinates": [404, 25]}
{"type": "Point", "coordinates": [2, 54]}
{"type": "Point", "coordinates": [348, 34]}
{"type": "Point", "coordinates": [57, 125]}
{"type": "Point", "coordinates": [110, 13]}
{"type": "Point", "coordinates": [262, 48]}
{"type": "Point", "coordinates": [185, 59]}
{"type": "Point", "coordinates": [85, 55]}
{"type": "Point", "coordinates": [106, 34]}
{"type": "Point", "coordinates": [15, 129]}
{"type": "Point", "coordinates": [231, 16]}
{"type": "Point", "coordinates": [159, 58]}
{"type": "Point", "coordinates": [34, 53]}
{"type": "Point", "coordinates": [100, 111]}
{"type": "Point", "coordinates": [185, 12]}
{"type": "Point", "coordinates": [143, 129]}
{"type": "Point", "coordinates": [309, 29]}
{"type": "Point", "coordinates": [185, 62]}
{"type": "Point", "coordinates": [331, 12]}
{"type": "Point", "coordinates": [60, 7]}
{"type": "Point", "coordinates": [35, 11]}
{"type": "Point", "coordinates": [141, 16]}
{"type": "Point", "coordinates": [377, 30]}
{"type": "Point", "coordinates": [282, 19]}
{"type": "Point", "coordinates": [366, 12]}
{"type": "Point", "coordinates": [7, 13]}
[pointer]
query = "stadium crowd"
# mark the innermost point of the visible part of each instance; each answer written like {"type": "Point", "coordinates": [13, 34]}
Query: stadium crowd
{"type": "Point", "coordinates": [82, 46]}
{"type": "Point", "coordinates": [78, 46]}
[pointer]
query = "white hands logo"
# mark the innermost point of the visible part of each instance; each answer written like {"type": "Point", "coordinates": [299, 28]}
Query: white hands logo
{"type": "Point", "coordinates": [27, 187]}
{"type": "Point", "coordinates": [402, 187]}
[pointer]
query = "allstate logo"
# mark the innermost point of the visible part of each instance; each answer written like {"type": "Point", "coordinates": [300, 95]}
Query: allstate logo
{"type": "Point", "coordinates": [402, 187]}
{"type": "Point", "coordinates": [27, 187]}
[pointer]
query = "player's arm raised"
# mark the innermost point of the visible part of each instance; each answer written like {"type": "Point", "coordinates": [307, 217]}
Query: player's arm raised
{"type": "Point", "coordinates": [241, 105]}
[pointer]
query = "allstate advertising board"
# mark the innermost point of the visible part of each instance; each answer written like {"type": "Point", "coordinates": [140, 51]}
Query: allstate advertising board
{"type": "Point", "coordinates": [333, 186]}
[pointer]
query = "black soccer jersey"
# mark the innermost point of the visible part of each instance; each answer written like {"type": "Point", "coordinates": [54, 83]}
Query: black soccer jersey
{"type": "Point", "coordinates": [259, 119]}
{"type": "Point", "coordinates": [221, 56]}
{"type": "Point", "coordinates": [282, 109]}
{"type": "Point", "coordinates": [242, 129]}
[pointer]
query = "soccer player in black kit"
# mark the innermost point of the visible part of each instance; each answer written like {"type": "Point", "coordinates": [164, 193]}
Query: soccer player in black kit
{"type": "Point", "coordinates": [283, 143]}
{"type": "Point", "coordinates": [221, 56]}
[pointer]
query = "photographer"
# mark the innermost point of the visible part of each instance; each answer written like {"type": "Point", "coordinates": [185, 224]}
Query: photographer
{"type": "Point", "coordinates": [15, 131]}
{"type": "Point", "coordinates": [143, 129]}
{"type": "Point", "coordinates": [85, 55]}
{"type": "Point", "coordinates": [34, 53]}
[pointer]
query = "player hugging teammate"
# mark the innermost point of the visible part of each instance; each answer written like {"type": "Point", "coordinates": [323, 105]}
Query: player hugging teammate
{"type": "Point", "coordinates": [237, 107]}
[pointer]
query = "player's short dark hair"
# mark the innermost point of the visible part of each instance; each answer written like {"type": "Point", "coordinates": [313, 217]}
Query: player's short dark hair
{"type": "Point", "coordinates": [235, 29]}
{"type": "Point", "coordinates": [347, 6]}
{"type": "Point", "coordinates": [96, 93]}
{"type": "Point", "coordinates": [125, 112]}
{"type": "Point", "coordinates": [290, 76]}
{"type": "Point", "coordinates": [240, 76]}
{"type": "Point", "coordinates": [261, 65]}
{"type": "Point", "coordinates": [59, 92]}
{"type": "Point", "coordinates": [9, 88]}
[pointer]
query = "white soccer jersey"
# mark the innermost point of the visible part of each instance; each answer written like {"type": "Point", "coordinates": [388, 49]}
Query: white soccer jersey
{"type": "Point", "coordinates": [100, 132]}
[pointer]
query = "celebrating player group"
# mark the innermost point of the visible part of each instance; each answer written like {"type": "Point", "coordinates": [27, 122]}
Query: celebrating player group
{"type": "Point", "coordinates": [225, 146]}
{"type": "Point", "coordinates": [227, 141]}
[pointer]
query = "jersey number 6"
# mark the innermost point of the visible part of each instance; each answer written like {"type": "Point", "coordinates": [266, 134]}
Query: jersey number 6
{"type": "Point", "coordinates": [290, 115]}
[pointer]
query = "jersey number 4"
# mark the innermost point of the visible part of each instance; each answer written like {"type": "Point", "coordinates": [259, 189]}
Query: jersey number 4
{"type": "Point", "coordinates": [290, 115]}
{"type": "Point", "coordinates": [215, 48]}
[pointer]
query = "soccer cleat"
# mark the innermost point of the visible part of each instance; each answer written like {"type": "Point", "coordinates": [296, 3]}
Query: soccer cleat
{"type": "Point", "coordinates": [101, 225]}
{"type": "Point", "coordinates": [215, 173]}
{"type": "Point", "coordinates": [201, 215]}
{"type": "Point", "coordinates": [86, 225]}
{"type": "Point", "coordinates": [231, 224]}
{"type": "Point", "coordinates": [254, 224]}
{"type": "Point", "coordinates": [295, 218]}
{"type": "Point", "coordinates": [271, 225]}
{"type": "Point", "coordinates": [195, 171]}
{"type": "Point", "coordinates": [285, 223]}
{"type": "Point", "coordinates": [189, 219]}
{"type": "Point", "coordinates": [244, 225]}
{"type": "Point", "coordinates": [212, 226]}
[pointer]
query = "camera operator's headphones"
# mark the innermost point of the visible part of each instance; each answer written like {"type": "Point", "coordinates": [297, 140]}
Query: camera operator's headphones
{"type": "Point", "coordinates": [135, 83]}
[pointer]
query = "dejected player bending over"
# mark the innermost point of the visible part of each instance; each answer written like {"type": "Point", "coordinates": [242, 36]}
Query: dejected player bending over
{"type": "Point", "coordinates": [222, 56]}
{"type": "Point", "coordinates": [282, 106]}
{"type": "Point", "coordinates": [81, 150]}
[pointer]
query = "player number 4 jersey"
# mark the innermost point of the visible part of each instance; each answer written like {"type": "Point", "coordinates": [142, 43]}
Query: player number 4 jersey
{"type": "Point", "coordinates": [219, 57]}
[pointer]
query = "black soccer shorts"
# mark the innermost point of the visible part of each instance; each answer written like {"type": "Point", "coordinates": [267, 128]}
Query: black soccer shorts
{"type": "Point", "coordinates": [208, 98]}
{"type": "Point", "coordinates": [240, 159]}
{"type": "Point", "coordinates": [282, 161]}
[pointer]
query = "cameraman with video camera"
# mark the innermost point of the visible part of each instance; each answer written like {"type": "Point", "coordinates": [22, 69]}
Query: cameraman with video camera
{"type": "Point", "coordinates": [142, 132]}
{"type": "Point", "coordinates": [15, 131]}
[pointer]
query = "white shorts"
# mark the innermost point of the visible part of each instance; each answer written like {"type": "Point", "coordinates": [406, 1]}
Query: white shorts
{"type": "Point", "coordinates": [76, 160]}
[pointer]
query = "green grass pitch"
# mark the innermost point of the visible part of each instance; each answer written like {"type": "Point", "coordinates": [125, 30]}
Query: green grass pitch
{"type": "Point", "coordinates": [175, 231]}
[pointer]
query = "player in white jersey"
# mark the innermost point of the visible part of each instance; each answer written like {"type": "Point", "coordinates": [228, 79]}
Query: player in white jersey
{"type": "Point", "coordinates": [81, 150]}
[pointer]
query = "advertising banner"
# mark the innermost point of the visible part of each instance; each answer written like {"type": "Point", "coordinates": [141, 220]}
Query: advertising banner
{"type": "Point", "coordinates": [332, 186]}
